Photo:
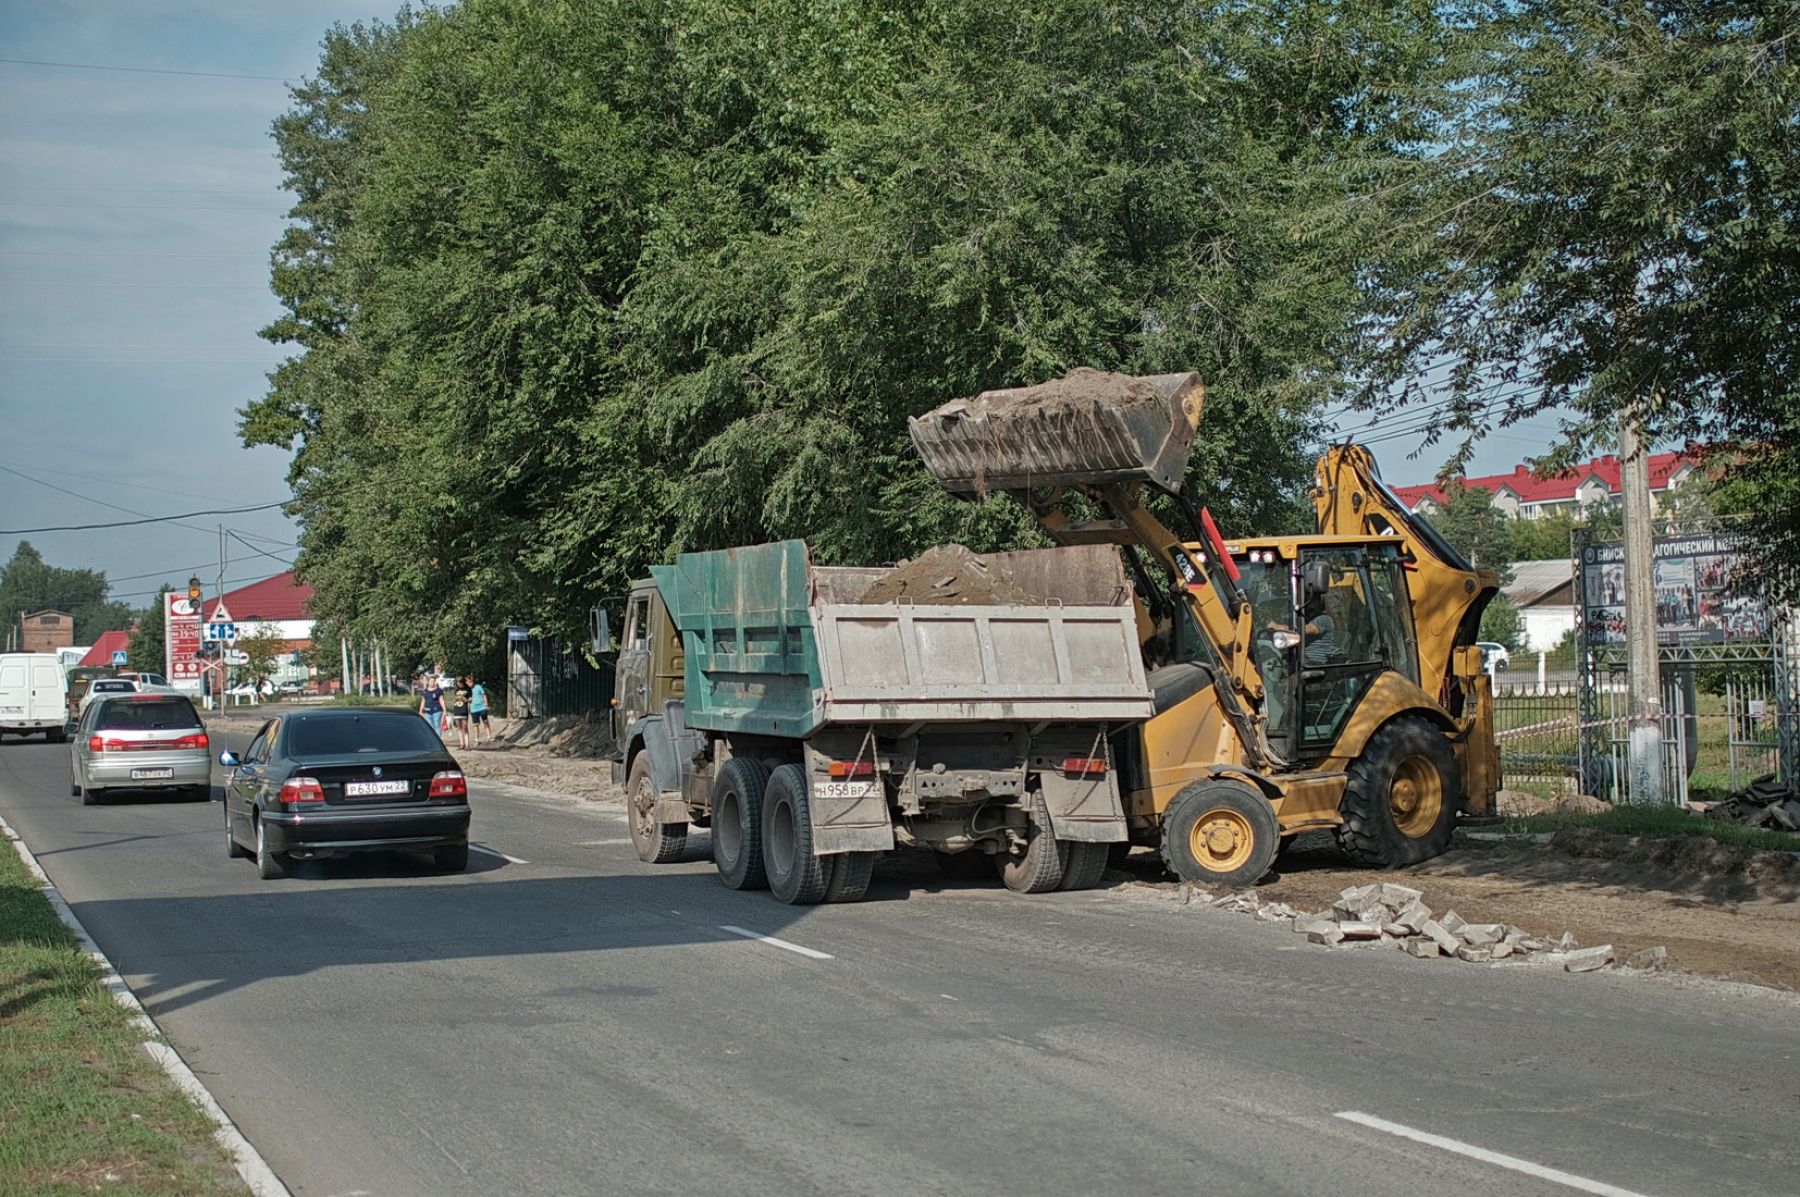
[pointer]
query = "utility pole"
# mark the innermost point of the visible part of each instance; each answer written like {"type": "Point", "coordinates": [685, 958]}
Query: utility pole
{"type": "Point", "coordinates": [1644, 747]}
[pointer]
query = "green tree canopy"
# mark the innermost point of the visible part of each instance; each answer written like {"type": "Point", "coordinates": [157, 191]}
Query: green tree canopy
{"type": "Point", "coordinates": [28, 583]}
{"type": "Point", "coordinates": [1481, 531]}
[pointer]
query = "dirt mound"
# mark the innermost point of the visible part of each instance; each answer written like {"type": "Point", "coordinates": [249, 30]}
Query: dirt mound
{"type": "Point", "coordinates": [1077, 390]}
{"type": "Point", "coordinates": [949, 575]}
{"type": "Point", "coordinates": [1768, 874]}
{"type": "Point", "coordinates": [1520, 802]}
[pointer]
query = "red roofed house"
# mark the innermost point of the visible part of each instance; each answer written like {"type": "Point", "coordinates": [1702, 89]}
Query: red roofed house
{"type": "Point", "coordinates": [1522, 495]}
{"type": "Point", "coordinates": [105, 647]}
{"type": "Point", "coordinates": [277, 606]}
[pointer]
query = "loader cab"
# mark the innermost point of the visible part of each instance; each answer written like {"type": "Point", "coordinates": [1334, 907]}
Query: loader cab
{"type": "Point", "coordinates": [1331, 616]}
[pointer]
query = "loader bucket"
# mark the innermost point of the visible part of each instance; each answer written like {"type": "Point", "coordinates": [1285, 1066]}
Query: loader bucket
{"type": "Point", "coordinates": [1087, 428]}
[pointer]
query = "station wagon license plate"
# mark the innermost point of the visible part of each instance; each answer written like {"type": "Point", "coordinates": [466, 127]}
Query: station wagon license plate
{"type": "Point", "coordinates": [843, 789]}
{"type": "Point", "coordinates": [369, 789]}
{"type": "Point", "coordinates": [151, 774]}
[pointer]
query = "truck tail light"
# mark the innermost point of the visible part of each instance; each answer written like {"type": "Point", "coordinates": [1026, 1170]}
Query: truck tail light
{"type": "Point", "coordinates": [449, 784]}
{"type": "Point", "coordinates": [301, 789]}
{"type": "Point", "coordinates": [1084, 765]}
{"type": "Point", "coordinates": [852, 769]}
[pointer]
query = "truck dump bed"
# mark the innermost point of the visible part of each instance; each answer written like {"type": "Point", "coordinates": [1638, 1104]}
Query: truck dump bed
{"type": "Point", "coordinates": [772, 645]}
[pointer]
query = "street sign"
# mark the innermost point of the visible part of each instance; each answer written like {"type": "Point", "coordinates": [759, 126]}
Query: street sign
{"type": "Point", "coordinates": [226, 632]}
{"type": "Point", "coordinates": [118, 658]}
{"type": "Point", "coordinates": [234, 657]}
{"type": "Point", "coordinates": [517, 634]}
{"type": "Point", "coordinates": [181, 629]}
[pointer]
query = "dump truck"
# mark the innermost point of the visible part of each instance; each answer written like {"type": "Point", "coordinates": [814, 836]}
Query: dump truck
{"type": "Point", "coordinates": [814, 717]}
{"type": "Point", "coordinates": [1301, 683]}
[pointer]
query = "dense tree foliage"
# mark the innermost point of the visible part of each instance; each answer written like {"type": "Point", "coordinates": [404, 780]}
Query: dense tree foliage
{"type": "Point", "coordinates": [28, 583]}
{"type": "Point", "coordinates": [1611, 222]}
{"type": "Point", "coordinates": [575, 287]}
{"type": "Point", "coordinates": [146, 652]}
{"type": "Point", "coordinates": [1481, 531]}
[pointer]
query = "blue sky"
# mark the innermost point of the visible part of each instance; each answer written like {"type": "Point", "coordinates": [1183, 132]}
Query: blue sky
{"type": "Point", "coordinates": [136, 214]}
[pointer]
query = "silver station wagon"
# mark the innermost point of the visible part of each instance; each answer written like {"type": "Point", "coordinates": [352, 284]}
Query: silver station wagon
{"type": "Point", "coordinates": [139, 742]}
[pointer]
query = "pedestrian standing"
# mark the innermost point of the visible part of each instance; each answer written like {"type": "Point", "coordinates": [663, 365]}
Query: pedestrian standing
{"type": "Point", "coordinates": [431, 705]}
{"type": "Point", "coordinates": [478, 710]}
{"type": "Point", "coordinates": [459, 711]}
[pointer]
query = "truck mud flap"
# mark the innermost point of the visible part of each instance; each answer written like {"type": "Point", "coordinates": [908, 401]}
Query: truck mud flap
{"type": "Point", "coordinates": [1082, 805]}
{"type": "Point", "coordinates": [847, 816]}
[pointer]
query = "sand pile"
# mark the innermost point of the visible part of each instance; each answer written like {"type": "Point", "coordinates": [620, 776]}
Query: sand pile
{"type": "Point", "coordinates": [949, 575]}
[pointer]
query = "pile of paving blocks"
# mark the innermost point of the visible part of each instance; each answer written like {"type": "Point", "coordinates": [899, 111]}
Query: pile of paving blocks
{"type": "Point", "coordinates": [1392, 915]}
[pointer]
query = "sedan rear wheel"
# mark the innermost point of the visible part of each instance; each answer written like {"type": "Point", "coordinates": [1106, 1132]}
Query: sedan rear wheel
{"type": "Point", "coordinates": [268, 864]}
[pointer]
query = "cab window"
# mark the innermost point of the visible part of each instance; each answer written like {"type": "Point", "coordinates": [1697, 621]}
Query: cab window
{"type": "Point", "coordinates": [637, 624]}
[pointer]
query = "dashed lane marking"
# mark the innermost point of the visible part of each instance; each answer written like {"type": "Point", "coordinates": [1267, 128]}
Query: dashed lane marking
{"type": "Point", "coordinates": [1554, 1175]}
{"type": "Point", "coordinates": [778, 943]}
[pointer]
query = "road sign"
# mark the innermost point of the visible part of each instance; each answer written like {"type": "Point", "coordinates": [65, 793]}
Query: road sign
{"type": "Point", "coordinates": [226, 632]}
{"type": "Point", "coordinates": [234, 657]}
{"type": "Point", "coordinates": [181, 629]}
{"type": "Point", "coordinates": [118, 658]}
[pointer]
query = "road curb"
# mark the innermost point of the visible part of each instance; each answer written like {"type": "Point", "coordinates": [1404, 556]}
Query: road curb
{"type": "Point", "coordinates": [251, 1167]}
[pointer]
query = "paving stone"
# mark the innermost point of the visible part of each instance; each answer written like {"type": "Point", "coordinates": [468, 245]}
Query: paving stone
{"type": "Point", "coordinates": [1568, 942]}
{"type": "Point", "coordinates": [1359, 896]}
{"type": "Point", "coordinates": [1452, 922]}
{"type": "Point", "coordinates": [1424, 947]}
{"type": "Point", "coordinates": [1588, 959]}
{"type": "Point", "coordinates": [1414, 914]}
{"type": "Point", "coordinates": [1307, 924]}
{"type": "Point", "coordinates": [1434, 931]}
{"type": "Point", "coordinates": [1482, 935]}
{"type": "Point", "coordinates": [1474, 955]}
{"type": "Point", "coordinates": [1532, 943]}
{"type": "Point", "coordinates": [1334, 935]}
{"type": "Point", "coordinates": [1399, 896]}
{"type": "Point", "coordinates": [1650, 958]}
{"type": "Point", "coordinates": [1359, 930]}
{"type": "Point", "coordinates": [1397, 930]}
{"type": "Point", "coordinates": [1501, 950]}
{"type": "Point", "coordinates": [1377, 914]}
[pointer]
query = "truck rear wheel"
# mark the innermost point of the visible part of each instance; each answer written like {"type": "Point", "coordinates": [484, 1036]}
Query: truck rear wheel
{"type": "Point", "coordinates": [1219, 832]}
{"type": "Point", "coordinates": [848, 875]}
{"type": "Point", "coordinates": [656, 842]}
{"type": "Point", "coordinates": [1400, 804]}
{"type": "Point", "coordinates": [1083, 864]}
{"type": "Point", "coordinates": [796, 875]}
{"type": "Point", "coordinates": [737, 807]}
{"type": "Point", "coordinates": [1037, 868]}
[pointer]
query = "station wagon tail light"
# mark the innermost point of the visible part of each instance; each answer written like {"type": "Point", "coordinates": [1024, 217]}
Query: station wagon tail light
{"type": "Point", "coordinates": [449, 784]}
{"type": "Point", "coordinates": [1084, 765]}
{"type": "Point", "coordinates": [197, 740]}
{"type": "Point", "coordinates": [301, 789]}
{"type": "Point", "coordinates": [852, 769]}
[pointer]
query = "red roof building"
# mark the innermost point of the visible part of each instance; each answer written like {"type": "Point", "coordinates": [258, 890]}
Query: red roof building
{"type": "Point", "coordinates": [279, 599]}
{"type": "Point", "coordinates": [1523, 494]}
{"type": "Point", "coordinates": [108, 644]}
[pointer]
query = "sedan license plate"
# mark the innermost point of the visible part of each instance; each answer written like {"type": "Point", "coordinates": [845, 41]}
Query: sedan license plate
{"type": "Point", "coordinates": [151, 774]}
{"type": "Point", "coordinates": [368, 789]}
{"type": "Point", "coordinates": [843, 789]}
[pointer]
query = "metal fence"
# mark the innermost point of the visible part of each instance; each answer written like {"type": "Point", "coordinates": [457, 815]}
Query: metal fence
{"type": "Point", "coordinates": [546, 677]}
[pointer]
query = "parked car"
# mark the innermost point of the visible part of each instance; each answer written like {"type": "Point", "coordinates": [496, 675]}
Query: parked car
{"type": "Point", "coordinates": [34, 695]}
{"type": "Point", "coordinates": [256, 690]}
{"type": "Point", "coordinates": [139, 742]}
{"type": "Point", "coordinates": [1494, 657]}
{"type": "Point", "coordinates": [323, 783]}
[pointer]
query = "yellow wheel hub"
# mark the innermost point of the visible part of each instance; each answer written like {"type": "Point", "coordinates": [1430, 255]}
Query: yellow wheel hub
{"type": "Point", "coordinates": [1417, 797]}
{"type": "Point", "coordinates": [1222, 840]}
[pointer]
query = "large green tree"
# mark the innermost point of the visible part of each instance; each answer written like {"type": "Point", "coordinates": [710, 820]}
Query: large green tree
{"type": "Point", "coordinates": [147, 650]}
{"type": "Point", "coordinates": [574, 287]}
{"type": "Point", "coordinates": [1610, 224]}
{"type": "Point", "coordinates": [29, 583]}
{"type": "Point", "coordinates": [1481, 531]}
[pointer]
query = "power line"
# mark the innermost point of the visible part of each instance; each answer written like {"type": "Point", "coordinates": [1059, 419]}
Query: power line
{"type": "Point", "coordinates": [154, 519]}
{"type": "Point", "coordinates": [94, 66]}
{"type": "Point", "coordinates": [232, 532]}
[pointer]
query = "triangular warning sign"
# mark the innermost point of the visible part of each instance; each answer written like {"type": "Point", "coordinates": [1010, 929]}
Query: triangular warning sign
{"type": "Point", "coordinates": [220, 614]}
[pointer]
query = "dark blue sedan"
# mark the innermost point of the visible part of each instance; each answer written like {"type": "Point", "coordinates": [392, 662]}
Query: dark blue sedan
{"type": "Point", "coordinates": [316, 784]}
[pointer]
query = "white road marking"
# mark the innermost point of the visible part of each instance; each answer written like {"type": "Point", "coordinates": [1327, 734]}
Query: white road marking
{"type": "Point", "coordinates": [948, 998]}
{"type": "Point", "coordinates": [487, 851]}
{"type": "Point", "coordinates": [1487, 1157]}
{"type": "Point", "coordinates": [778, 943]}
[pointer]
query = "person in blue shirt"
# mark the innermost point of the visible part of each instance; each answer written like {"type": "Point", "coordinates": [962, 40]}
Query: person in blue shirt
{"type": "Point", "coordinates": [478, 710]}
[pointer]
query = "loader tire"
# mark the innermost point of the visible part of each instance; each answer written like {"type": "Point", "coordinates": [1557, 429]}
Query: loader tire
{"type": "Point", "coordinates": [1037, 869]}
{"type": "Point", "coordinates": [849, 876]}
{"type": "Point", "coordinates": [737, 807]}
{"type": "Point", "coordinates": [1083, 864]}
{"type": "Point", "coordinates": [656, 842]}
{"type": "Point", "coordinates": [796, 874]}
{"type": "Point", "coordinates": [972, 865]}
{"type": "Point", "coordinates": [1400, 802]}
{"type": "Point", "coordinates": [1220, 832]}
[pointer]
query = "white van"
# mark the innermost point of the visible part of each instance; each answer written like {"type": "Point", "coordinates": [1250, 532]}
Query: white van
{"type": "Point", "coordinates": [34, 695]}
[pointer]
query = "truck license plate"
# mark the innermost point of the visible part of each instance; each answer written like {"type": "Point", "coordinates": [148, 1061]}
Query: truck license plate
{"type": "Point", "coordinates": [362, 789]}
{"type": "Point", "coordinates": [151, 774]}
{"type": "Point", "coordinates": [843, 789]}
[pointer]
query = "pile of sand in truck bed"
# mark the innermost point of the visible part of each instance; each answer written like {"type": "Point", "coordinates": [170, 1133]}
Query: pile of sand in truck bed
{"type": "Point", "coordinates": [949, 575]}
{"type": "Point", "coordinates": [1077, 390]}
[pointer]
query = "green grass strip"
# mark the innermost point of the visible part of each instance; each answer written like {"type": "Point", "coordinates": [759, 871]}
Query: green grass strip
{"type": "Point", "coordinates": [1659, 822]}
{"type": "Point", "coordinates": [82, 1106]}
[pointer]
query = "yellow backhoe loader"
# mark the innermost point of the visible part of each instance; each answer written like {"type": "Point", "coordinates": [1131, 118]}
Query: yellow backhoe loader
{"type": "Point", "coordinates": [1301, 683]}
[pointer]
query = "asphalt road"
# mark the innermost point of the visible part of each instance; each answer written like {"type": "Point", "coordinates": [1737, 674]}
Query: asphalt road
{"type": "Point", "coordinates": [571, 1021]}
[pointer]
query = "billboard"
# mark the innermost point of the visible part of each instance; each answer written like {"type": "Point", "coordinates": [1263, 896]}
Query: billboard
{"type": "Point", "coordinates": [1694, 600]}
{"type": "Point", "coordinates": [181, 640]}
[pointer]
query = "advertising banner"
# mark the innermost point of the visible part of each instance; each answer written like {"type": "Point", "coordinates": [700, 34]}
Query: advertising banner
{"type": "Point", "coordinates": [181, 639]}
{"type": "Point", "coordinates": [1694, 603]}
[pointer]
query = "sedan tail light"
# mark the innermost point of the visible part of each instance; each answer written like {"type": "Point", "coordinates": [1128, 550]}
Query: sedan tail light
{"type": "Point", "coordinates": [449, 784]}
{"type": "Point", "coordinates": [301, 789]}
